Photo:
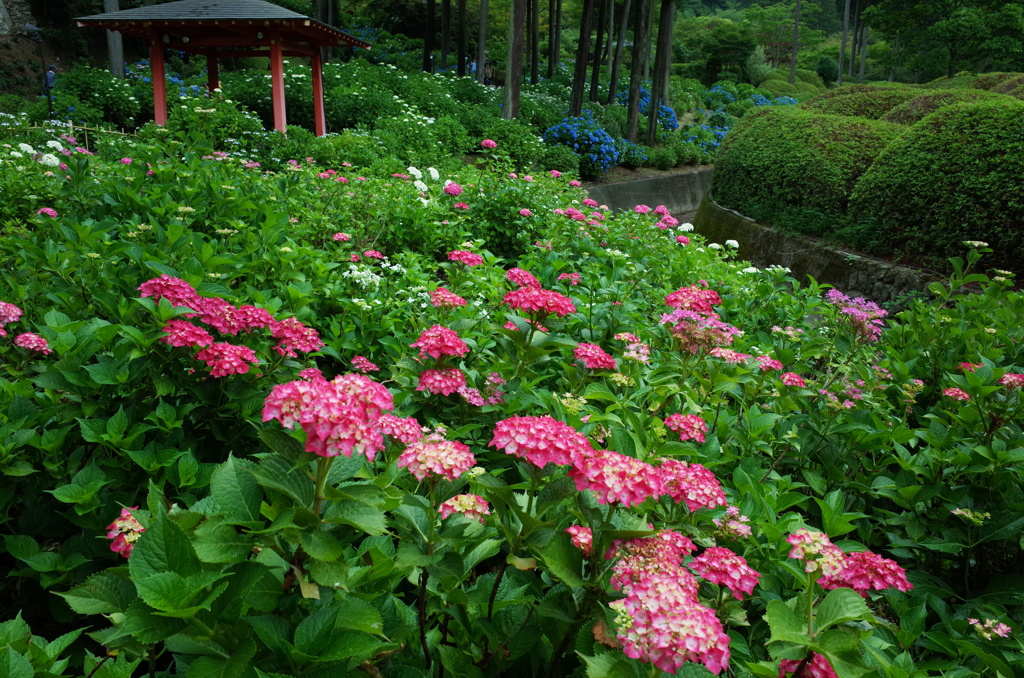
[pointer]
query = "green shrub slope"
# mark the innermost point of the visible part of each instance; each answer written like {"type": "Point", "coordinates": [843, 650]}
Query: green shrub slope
{"type": "Point", "coordinates": [796, 168]}
{"type": "Point", "coordinates": [956, 175]}
{"type": "Point", "coordinates": [860, 100]}
{"type": "Point", "coordinates": [921, 106]}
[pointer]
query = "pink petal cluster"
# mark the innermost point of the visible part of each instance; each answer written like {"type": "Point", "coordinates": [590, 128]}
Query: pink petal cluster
{"type": "Point", "coordinates": [438, 341]}
{"type": "Point", "coordinates": [863, 571]}
{"type": "Point", "coordinates": [660, 620]}
{"type": "Point", "coordinates": [124, 531]}
{"type": "Point", "coordinates": [341, 237]}
{"type": "Point", "coordinates": [969, 367]}
{"type": "Point", "coordinates": [694, 298]}
{"type": "Point", "coordinates": [468, 258]}
{"type": "Point", "coordinates": [616, 478]}
{"type": "Point", "coordinates": [339, 417]}
{"type": "Point", "coordinates": [957, 394]}
{"type": "Point", "coordinates": [573, 278]}
{"type": "Point", "coordinates": [183, 333]}
{"type": "Point", "coordinates": [373, 254]}
{"type": "Point", "coordinates": [9, 313]}
{"type": "Point", "coordinates": [989, 629]}
{"type": "Point", "coordinates": [442, 298]}
{"type": "Point", "coordinates": [363, 365]}
{"type": "Point", "coordinates": [488, 144]}
{"type": "Point", "coordinates": [697, 332]}
{"type": "Point", "coordinates": [540, 301]}
{"type": "Point", "coordinates": [729, 355]}
{"type": "Point", "coordinates": [433, 455]}
{"type": "Point", "coordinates": [512, 326]}
{"type": "Point", "coordinates": [688, 426]}
{"type": "Point", "coordinates": [405, 429]}
{"type": "Point", "coordinates": [540, 440]}
{"type": "Point", "coordinates": [175, 290]}
{"type": "Point", "coordinates": [582, 538]}
{"type": "Point", "coordinates": [472, 506]}
{"type": "Point", "coordinates": [691, 483]}
{"type": "Point", "coordinates": [641, 209]}
{"type": "Point", "coordinates": [814, 667]}
{"type": "Point", "coordinates": [1011, 380]}
{"type": "Point", "coordinates": [453, 190]}
{"type": "Point", "coordinates": [864, 316]}
{"type": "Point", "coordinates": [733, 525]}
{"type": "Point", "coordinates": [766, 363]}
{"type": "Point", "coordinates": [522, 278]}
{"type": "Point", "coordinates": [594, 357]}
{"type": "Point", "coordinates": [224, 359]}
{"type": "Point", "coordinates": [817, 552]}
{"type": "Point", "coordinates": [443, 381]}
{"type": "Point", "coordinates": [793, 379]}
{"type": "Point", "coordinates": [525, 213]}
{"type": "Point", "coordinates": [721, 566]}
{"type": "Point", "coordinates": [32, 342]}
{"type": "Point", "coordinates": [293, 335]}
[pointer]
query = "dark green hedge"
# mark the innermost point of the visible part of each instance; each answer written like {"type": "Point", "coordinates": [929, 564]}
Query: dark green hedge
{"type": "Point", "coordinates": [956, 175]}
{"type": "Point", "coordinates": [917, 108]}
{"type": "Point", "coordinates": [860, 100]}
{"type": "Point", "coordinates": [795, 168]}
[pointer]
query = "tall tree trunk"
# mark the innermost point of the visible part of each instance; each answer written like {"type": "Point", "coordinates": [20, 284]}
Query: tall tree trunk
{"type": "Point", "coordinates": [856, 39]}
{"type": "Point", "coordinates": [636, 70]}
{"type": "Point", "coordinates": [428, 39]}
{"type": "Point", "coordinates": [796, 43]}
{"type": "Point", "coordinates": [463, 57]}
{"type": "Point", "coordinates": [610, 29]}
{"type": "Point", "coordinates": [514, 62]}
{"type": "Point", "coordinates": [662, 65]}
{"type": "Point", "coordinates": [481, 43]}
{"type": "Point", "coordinates": [613, 83]}
{"type": "Point", "coordinates": [863, 51]}
{"type": "Point", "coordinates": [579, 76]}
{"type": "Point", "coordinates": [534, 41]}
{"type": "Point", "coordinates": [895, 59]}
{"type": "Point", "coordinates": [595, 72]}
{"type": "Point", "coordinates": [558, 34]}
{"type": "Point", "coordinates": [842, 44]}
{"type": "Point", "coordinates": [446, 31]}
{"type": "Point", "coordinates": [115, 46]}
{"type": "Point", "coordinates": [648, 34]}
{"type": "Point", "coordinates": [551, 39]}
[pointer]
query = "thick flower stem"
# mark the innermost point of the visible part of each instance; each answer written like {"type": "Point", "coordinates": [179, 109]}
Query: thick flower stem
{"type": "Point", "coordinates": [323, 467]}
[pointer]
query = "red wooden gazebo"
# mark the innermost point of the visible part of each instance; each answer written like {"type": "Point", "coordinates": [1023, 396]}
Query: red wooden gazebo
{"type": "Point", "coordinates": [229, 28]}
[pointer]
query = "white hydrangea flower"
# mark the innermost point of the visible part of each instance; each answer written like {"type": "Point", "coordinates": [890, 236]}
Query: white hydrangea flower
{"type": "Point", "coordinates": [414, 172]}
{"type": "Point", "coordinates": [732, 243]}
{"type": "Point", "coordinates": [25, 148]}
{"type": "Point", "coordinates": [49, 159]}
{"type": "Point", "coordinates": [750, 269]}
{"type": "Point", "coordinates": [54, 144]}
{"type": "Point", "coordinates": [434, 174]}
{"type": "Point", "coordinates": [686, 227]}
{"type": "Point", "coordinates": [420, 186]}
{"type": "Point", "coordinates": [714, 246]}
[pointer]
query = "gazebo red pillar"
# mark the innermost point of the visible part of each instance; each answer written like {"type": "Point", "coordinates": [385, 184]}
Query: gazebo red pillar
{"type": "Point", "coordinates": [277, 83]}
{"type": "Point", "coordinates": [319, 117]}
{"type": "Point", "coordinates": [212, 74]}
{"type": "Point", "coordinates": [156, 62]}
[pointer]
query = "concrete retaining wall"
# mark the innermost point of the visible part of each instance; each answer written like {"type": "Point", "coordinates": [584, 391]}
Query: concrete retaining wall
{"type": "Point", "coordinates": [678, 192]}
{"type": "Point", "coordinates": [852, 274]}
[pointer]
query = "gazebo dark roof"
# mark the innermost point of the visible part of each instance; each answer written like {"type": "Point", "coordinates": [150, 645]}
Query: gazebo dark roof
{"type": "Point", "coordinates": [208, 18]}
{"type": "Point", "coordinates": [228, 28]}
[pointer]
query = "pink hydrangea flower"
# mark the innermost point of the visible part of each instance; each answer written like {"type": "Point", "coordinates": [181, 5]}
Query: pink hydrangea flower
{"type": "Point", "coordinates": [443, 381]}
{"type": "Point", "coordinates": [594, 357]}
{"type": "Point", "coordinates": [468, 258]}
{"type": "Point", "coordinates": [540, 440]}
{"type": "Point", "coordinates": [373, 254]}
{"type": "Point", "coordinates": [733, 525]}
{"type": "Point", "coordinates": [573, 278]}
{"type": "Point", "coordinates": [488, 144]}
{"type": "Point", "coordinates": [721, 566]}
{"type": "Point", "coordinates": [472, 506]}
{"type": "Point", "coordinates": [47, 211]}
{"type": "Point", "coordinates": [793, 379]}
{"type": "Point", "coordinates": [442, 298]}
{"type": "Point", "coordinates": [575, 184]}
{"type": "Point", "coordinates": [9, 313]}
{"type": "Point", "coordinates": [863, 571]}
{"type": "Point", "coordinates": [661, 210]}
{"type": "Point", "coordinates": [126, 161]}
{"type": "Point", "coordinates": [339, 417]}
{"type": "Point", "coordinates": [525, 213]}
{"type": "Point", "coordinates": [32, 342]}
{"type": "Point", "coordinates": [453, 190]}
{"type": "Point", "coordinates": [582, 538]}
{"type": "Point", "coordinates": [969, 367]}
{"type": "Point", "coordinates": [363, 365]}
{"type": "Point", "coordinates": [460, 206]}
{"type": "Point", "coordinates": [433, 455]}
{"type": "Point", "coordinates": [694, 298]}
{"type": "Point", "coordinates": [438, 341]}
{"type": "Point", "coordinates": [521, 278]}
{"type": "Point", "coordinates": [766, 363]}
{"type": "Point", "coordinates": [816, 667]}
{"type": "Point", "coordinates": [405, 429]}
{"type": "Point", "coordinates": [182, 333]}
{"type": "Point", "coordinates": [817, 552]}
{"type": "Point", "coordinates": [175, 290]}
{"type": "Point", "coordinates": [641, 209]}
{"type": "Point", "coordinates": [590, 202]}
{"type": "Point", "coordinates": [125, 531]}
{"type": "Point", "coordinates": [615, 478]}
{"type": "Point", "coordinates": [293, 335]}
{"type": "Point", "coordinates": [957, 394]}
{"type": "Point", "coordinates": [341, 237]}
{"type": "Point", "coordinates": [311, 374]}
{"type": "Point", "coordinates": [691, 483]}
{"type": "Point", "coordinates": [688, 426]}
{"type": "Point", "coordinates": [864, 316]}
{"type": "Point", "coordinates": [682, 240]}
{"type": "Point", "coordinates": [224, 359]}
{"type": "Point", "coordinates": [1011, 380]}
{"type": "Point", "coordinates": [555, 174]}
{"type": "Point", "coordinates": [540, 301]}
{"type": "Point", "coordinates": [990, 628]}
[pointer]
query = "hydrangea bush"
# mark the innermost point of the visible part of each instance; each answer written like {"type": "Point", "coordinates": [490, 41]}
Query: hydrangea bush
{"type": "Point", "coordinates": [308, 422]}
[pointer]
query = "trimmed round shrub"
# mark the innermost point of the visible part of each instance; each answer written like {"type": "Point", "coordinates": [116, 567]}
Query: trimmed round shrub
{"type": "Point", "coordinates": [917, 108]}
{"type": "Point", "coordinates": [795, 168]}
{"type": "Point", "coordinates": [596, 147]}
{"type": "Point", "coordinates": [863, 100]}
{"type": "Point", "coordinates": [632, 156]}
{"type": "Point", "coordinates": [561, 158]}
{"type": "Point", "coordinates": [956, 175]}
{"type": "Point", "coordinates": [991, 81]}
{"type": "Point", "coordinates": [778, 87]}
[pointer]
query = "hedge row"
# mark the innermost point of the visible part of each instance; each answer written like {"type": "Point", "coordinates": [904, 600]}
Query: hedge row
{"type": "Point", "coordinates": [915, 191]}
